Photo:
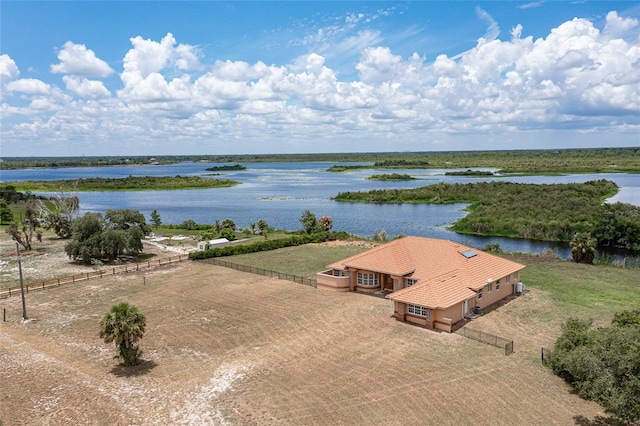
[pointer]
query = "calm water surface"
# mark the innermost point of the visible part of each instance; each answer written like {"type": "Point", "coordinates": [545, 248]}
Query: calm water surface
{"type": "Point", "coordinates": [279, 192]}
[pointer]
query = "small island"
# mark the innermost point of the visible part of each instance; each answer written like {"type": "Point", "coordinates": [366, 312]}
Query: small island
{"type": "Point", "coordinates": [470, 172]}
{"type": "Point", "coordinates": [227, 168]}
{"type": "Point", "coordinates": [392, 176]}
{"type": "Point", "coordinates": [130, 183]}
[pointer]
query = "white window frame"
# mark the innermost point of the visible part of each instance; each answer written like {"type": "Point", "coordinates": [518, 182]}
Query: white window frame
{"type": "Point", "coordinates": [508, 278]}
{"type": "Point", "coordinates": [497, 285]}
{"type": "Point", "coordinates": [515, 276]}
{"type": "Point", "coordinates": [368, 279]}
{"type": "Point", "coordinates": [417, 310]}
{"type": "Point", "coordinates": [480, 293]}
{"type": "Point", "coordinates": [411, 281]}
{"type": "Point", "coordinates": [489, 287]}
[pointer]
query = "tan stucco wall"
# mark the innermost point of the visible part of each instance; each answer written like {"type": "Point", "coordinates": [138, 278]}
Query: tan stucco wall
{"type": "Point", "coordinates": [450, 315]}
{"type": "Point", "coordinates": [488, 298]}
{"type": "Point", "coordinates": [327, 281]}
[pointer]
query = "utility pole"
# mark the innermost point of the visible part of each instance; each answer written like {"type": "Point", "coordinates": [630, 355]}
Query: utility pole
{"type": "Point", "coordinates": [24, 305]}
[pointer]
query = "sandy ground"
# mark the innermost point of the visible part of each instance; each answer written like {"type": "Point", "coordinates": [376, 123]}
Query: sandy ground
{"type": "Point", "coordinates": [48, 260]}
{"type": "Point", "coordinates": [226, 347]}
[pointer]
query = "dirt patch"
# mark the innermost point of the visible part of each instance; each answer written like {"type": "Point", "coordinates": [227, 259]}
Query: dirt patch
{"type": "Point", "coordinates": [48, 260]}
{"type": "Point", "coordinates": [351, 243]}
{"type": "Point", "coordinates": [227, 347]}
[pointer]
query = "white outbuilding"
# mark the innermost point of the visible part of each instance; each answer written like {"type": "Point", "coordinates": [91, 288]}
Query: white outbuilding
{"type": "Point", "coordinates": [211, 244]}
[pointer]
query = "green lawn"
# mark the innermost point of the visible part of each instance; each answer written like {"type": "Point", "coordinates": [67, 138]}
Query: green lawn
{"type": "Point", "coordinates": [585, 290]}
{"type": "Point", "coordinates": [305, 261]}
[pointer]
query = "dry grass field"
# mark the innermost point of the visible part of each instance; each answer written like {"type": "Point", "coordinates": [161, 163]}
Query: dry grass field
{"type": "Point", "coordinates": [226, 347]}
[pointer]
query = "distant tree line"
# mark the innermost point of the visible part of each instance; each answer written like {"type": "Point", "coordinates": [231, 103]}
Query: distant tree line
{"type": "Point", "coordinates": [585, 160]}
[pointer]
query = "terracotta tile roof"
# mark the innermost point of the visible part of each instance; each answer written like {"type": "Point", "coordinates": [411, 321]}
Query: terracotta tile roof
{"type": "Point", "coordinates": [445, 276]}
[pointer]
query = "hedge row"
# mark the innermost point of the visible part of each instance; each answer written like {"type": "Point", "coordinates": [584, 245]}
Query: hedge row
{"type": "Point", "coordinates": [264, 245]}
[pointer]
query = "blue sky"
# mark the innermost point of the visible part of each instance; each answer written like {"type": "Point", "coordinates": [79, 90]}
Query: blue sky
{"type": "Point", "coordinates": [164, 77]}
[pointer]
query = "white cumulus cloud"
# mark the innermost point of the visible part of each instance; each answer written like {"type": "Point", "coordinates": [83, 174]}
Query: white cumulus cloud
{"type": "Point", "coordinates": [143, 65]}
{"type": "Point", "coordinates": [29, 86]}
{"type": "Point", "coordinates": [76, 59]}
{"type": "Point", "coordinates": [85, 88]}
{"type": "Point", "coordinates": [8, 68]}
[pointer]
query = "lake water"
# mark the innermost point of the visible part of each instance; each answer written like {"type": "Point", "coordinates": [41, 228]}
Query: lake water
{"type": "Point", "coordinates": [280, 192]}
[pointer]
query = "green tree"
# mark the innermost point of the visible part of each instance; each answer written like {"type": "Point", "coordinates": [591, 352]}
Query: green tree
{"type": "Point", "coordinates": [208, 234]}
{"type": "Point", "coordinates": [6, 215]}
{"type": "Point", "coordinates": [227, 233]}
{"type": "Point", "coordinates": [125, 219]}
{"type": "Point", "coordinates": [95, 238]}
{"type": "Point", "coordinates": [189, 224]}
{"type": "Point", "coordinates": [228, 224]}
{"type": "Point", "coordinates": [155, 218]}
{"type": "Point", "coordinates": [86, 241]}
{"type": "Point", "coordinates": [263, 226]}
{"type": "Point", "coordinates": [618, 225]}
{"type": "Point", "coordinates": [309, 222]}
{"type": "Point", "coordinates": [602, 364]}
{"type": "Point", "coordinates": [125, 326]}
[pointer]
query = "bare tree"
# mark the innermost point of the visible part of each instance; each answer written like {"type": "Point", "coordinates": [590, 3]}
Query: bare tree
{"type": "Point", "coordinates": [59, 211]}
{"type": "Point", "coordinates": [23, 232]}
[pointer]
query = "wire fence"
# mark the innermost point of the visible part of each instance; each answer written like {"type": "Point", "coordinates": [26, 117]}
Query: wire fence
{"type": "Point", "coordinates": [488, 338]}
{"type": "Point", "coordinates": [261, 271]}
{"type": "Point", "coordinates": [121, 269]}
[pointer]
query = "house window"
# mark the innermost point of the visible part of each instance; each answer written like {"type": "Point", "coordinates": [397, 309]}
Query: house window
{"type": "Point", "coordinates": [420, 311]}
{"type": "Point", "coordinates": [411, 281]}
{"type": "Point", "coordinates": [480, 294]}
{"type": "Point", "coordinates": [368, 280]}
{"type": "Point", "coordinates": [339, 273]}
{"type": "Point", "coordinates": [489, 287]}
{"type": "Point", "coordinates": [515, 276]}
{"type": "Point", "coordinates": [497, 285]}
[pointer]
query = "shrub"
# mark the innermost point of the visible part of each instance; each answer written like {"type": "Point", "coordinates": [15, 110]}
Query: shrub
{"type": "Point", "coordinates": [263, 245]}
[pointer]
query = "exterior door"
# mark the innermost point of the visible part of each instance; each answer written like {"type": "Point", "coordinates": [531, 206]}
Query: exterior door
{"type": "Point", "coordinates": [388, 283]}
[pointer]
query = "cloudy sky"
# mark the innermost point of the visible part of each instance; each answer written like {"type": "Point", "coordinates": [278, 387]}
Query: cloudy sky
{"type": "Point", "coordinates": [205, 77]}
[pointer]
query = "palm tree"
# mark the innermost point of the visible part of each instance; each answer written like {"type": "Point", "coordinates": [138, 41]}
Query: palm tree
{"type": "Point", "coordinates": [583, 248]}
{"type": "Point", "coordinates": [124, 324]}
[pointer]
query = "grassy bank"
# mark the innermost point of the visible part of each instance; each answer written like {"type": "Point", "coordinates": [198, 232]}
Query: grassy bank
{"type": "Point", "coordinates": [131, 183]}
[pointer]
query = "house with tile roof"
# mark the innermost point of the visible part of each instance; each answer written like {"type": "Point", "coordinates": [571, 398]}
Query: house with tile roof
{"type": "Point", "coordinates": [432, 282]}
